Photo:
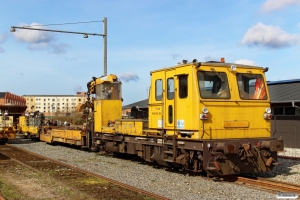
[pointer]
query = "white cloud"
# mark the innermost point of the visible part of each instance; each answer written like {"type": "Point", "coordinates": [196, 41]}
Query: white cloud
{"type": "Point", "coordinates": [3, 38]}
{"type": "Point", "coordinates": [38, 46]}
{"type": "Point", "coordinates": [1, 50]}
{"type": "Point", "coordinates": [31, 36]}
{"type": "Point", "coordinates": [269, 36]}
{"type": "Point", "coordinates": [78, 88]}
{"type": "Point", "coordinates": [245, 62]}
{"type": "Point", "coordinates": [175, 56]}
{"type": "Point", "coordinates": [128, 76]}
{"type": "Point", "coordinates": [271, 5]}
{"type": "Point", "coordinates": [299, 25]}
{"type": "Point", "coordinates": [40, 40]}
{"type": "Point", "coordinates": [210, 58]}
{"type": "Point", "coordinates": [59, 48]}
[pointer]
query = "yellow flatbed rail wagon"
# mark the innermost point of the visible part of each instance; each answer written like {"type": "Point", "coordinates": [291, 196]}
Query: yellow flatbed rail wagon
{"type": "Point", "coordinates": [203, 116]}
{"type": "Point", "coordinates": [7, 130]}
{"type": "Point", "coordinates": [68, 135]}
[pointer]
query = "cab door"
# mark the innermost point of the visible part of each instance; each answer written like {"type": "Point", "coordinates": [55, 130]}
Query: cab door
{"type": "Point", "coordinates": [186, 103]}
{"type": "Point", "coordinates": [169, 98]}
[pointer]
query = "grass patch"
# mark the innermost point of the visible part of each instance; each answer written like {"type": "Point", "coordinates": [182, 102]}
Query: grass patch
{"type": "Point", "coordinates": [10, 192]}
{"type": "Point", "coordinates": [51, 172]}
{"type": "Point", "coordinates": [93, 181]}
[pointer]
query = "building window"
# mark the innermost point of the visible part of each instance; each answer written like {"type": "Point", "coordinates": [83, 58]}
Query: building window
{"type": "Point", "coordinates": [278, 111]}
{"type": "Point", "coordinates": [284, 111]}
{"type": "Point", "coordinates": [289, 110]}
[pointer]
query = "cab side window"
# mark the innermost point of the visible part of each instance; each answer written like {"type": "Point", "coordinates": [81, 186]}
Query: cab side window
{"type": "Point", "coordinates": [183, 86]}
{"type": "Point", "coordinates": [170, 88]}
{"type": "Point", "coordinates": [158, 89]}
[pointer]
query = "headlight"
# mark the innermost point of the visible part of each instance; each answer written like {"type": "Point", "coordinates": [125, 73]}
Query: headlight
{"type": "Point", "coordinates": [268, 110]}
{"type": "Point", "coordinates": [205, 110]}
{"type": "Point", "coordinates": [233, 68]}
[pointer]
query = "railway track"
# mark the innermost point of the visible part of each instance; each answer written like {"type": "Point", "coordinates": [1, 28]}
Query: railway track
{"type": "Point", "coordinates": [289, 157]}
{"type": "Point", "coordinates": [67, 174]}
{"type": "Point", "coordinates": [272, 185]}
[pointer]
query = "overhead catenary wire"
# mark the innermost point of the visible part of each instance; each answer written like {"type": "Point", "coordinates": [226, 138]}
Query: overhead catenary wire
{"type": "Point", "coordinates": [64, 23]}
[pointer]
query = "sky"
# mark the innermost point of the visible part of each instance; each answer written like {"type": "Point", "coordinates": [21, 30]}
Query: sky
{"type": "Point", "coordinates": [142, 36]}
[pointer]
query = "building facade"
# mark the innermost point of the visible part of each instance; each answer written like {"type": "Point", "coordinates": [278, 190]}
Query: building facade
{"type": "Point", "coordinates": [13, 104]}
{"type": "Point", "coordinates": [7, 98]}
{"type": "Point", "coordinates": [50, 104]}
{"type": "Point", "coordinates": [285, 105]}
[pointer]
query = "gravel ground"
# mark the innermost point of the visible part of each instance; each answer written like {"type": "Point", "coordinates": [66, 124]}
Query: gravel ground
{"type": "Point", "coordinates": [288, 170]}
{"type": "Point", "coordinates": [158, 180]}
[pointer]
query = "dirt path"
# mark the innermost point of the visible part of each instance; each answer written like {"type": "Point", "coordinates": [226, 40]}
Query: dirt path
{"type": "Point", "coordinates": [19, 182]}
{"type": "Point", "coordinates": [46, 180]}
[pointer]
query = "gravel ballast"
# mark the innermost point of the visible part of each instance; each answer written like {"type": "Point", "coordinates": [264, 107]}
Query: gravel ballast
{"type": "Point", "coordinates": [161, 181]}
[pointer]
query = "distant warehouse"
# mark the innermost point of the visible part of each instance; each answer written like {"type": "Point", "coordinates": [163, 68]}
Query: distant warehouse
{"type": "Point", "coordinates": [285, 104]}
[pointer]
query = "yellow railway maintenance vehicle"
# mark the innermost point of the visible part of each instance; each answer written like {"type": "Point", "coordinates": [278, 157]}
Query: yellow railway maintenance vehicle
{"type": "Point", "coordinates": [7, 130]}
{"type": "Point", "coordinates": [30, 125]}
{"type": "Point", "coordinates": [203, 116]}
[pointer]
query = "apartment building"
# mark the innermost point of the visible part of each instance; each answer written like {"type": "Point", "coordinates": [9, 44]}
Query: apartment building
{"type": "Point", "coordinates": [50, 104]}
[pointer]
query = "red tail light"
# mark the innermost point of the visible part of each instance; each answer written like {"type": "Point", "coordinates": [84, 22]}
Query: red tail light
{"type": "Point", "coordinates": [204, 116]}
{"type": "Point", "coordinates": [268, 116]}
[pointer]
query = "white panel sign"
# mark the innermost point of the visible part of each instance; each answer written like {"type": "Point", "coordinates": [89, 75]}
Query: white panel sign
{"type": "Point", "coordinates": [180, 123]}
{"type": "Point", "coordinates": [160, 123]}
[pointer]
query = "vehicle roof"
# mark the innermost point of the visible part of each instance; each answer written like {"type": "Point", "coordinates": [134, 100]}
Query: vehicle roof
{"type": "Point", "coordinates": [209, 63]}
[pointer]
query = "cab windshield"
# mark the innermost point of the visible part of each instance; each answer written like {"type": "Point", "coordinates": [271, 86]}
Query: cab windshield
{"type": "Point", "coordinates": [213, 85]}
{"type": "Point", "coordinates": [108, 91]}
{"type": "Point", "coordinates": [251, 86]}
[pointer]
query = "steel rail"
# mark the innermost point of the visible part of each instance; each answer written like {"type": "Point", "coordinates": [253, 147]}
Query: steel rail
{"type": "Point", "coordinates": [129, 187]}
{"type": "Point", "coordinates": [288, 157]}
{"type": "Point", "coordinates": [264, 183]}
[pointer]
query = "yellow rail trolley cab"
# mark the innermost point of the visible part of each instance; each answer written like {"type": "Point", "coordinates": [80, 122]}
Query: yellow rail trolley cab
{"type": "Point", "coordinates": [107, 103]}
{"type": "Point", "coordinates": [213, 116]}
{"type": "Point", "coordinates": [210, 101]}
{"type": "Point", "coordinates": [31, 124]}
{"type": "Point", "coordinates": [7, 130]}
